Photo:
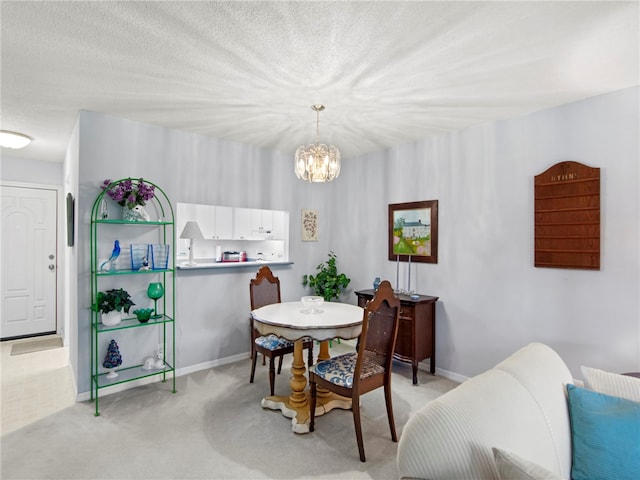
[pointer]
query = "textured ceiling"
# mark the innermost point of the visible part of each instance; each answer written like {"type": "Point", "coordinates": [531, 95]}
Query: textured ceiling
{"type": "Point", "coordinates": [388, 72]}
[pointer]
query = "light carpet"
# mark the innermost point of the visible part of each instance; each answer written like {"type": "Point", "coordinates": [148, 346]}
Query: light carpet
{"type": "Point", "coordinates": [213, 428]}
{"type": "Point", "coordinates": [33, 385]}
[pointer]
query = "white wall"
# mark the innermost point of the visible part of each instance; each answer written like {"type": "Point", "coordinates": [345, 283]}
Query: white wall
{"type": "Point", "coordinates": [212, 306]}
{"type": "Point", "coordinates": [492, 299]}
{"type": "Point", "coordinates": [14, 169]}
{"type": "Point", "coordinates": [69, 293]}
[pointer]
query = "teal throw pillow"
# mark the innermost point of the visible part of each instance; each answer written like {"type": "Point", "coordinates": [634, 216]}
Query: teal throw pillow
{"type": "Point", "coordinates": [605, 433]}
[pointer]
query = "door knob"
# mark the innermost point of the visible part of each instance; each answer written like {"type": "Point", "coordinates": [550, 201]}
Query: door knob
{"type": "Point", "coordinates": [52, 267]}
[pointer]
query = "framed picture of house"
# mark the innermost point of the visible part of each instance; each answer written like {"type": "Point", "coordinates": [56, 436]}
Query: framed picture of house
{"type": "Point", "coordinates": [413, 231]}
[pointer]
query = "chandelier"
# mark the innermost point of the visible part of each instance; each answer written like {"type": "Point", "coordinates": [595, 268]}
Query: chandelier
{"type": "Point", "coordinates": [317, 162]}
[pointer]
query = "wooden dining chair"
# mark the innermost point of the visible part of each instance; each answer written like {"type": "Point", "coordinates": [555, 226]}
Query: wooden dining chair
{"type": "Point", "coordinates": [265, 290]}
{"type": "Point", "coordinates": [354, 374]}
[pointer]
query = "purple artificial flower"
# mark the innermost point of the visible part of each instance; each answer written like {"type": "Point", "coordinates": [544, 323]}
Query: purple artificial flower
{"type": "Point", "coordinates": [129, 192]}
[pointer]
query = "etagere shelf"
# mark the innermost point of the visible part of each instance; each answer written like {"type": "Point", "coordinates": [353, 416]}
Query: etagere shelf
{"type": "Point", "coordinates": [162, 229]}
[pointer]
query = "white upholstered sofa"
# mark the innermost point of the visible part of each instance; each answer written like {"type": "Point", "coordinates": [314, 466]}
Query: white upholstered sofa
{"type": "Point", "coordinates": [518, 407]}
{"type": "Point", "coordinates": [521, 420]}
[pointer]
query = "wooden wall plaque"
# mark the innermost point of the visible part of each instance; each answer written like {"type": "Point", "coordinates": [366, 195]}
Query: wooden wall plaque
{"type": "Point", "coordinates": [567, 217]}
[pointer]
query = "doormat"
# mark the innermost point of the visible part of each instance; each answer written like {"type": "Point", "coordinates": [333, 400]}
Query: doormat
{"type": "Point", "coordinates": [36, 345]}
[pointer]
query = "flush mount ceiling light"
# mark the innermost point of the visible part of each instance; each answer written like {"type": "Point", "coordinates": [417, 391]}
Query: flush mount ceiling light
{"type": "Point", "coordinates": [13, 139]}
{"type": "Point", "coordinates": [317, 162]}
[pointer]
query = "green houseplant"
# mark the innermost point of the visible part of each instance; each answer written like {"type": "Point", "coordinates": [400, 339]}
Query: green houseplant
{"type": "Point", "coordinates": [111, 304]}
{"type": "Point", "coordinates": [328, 283]}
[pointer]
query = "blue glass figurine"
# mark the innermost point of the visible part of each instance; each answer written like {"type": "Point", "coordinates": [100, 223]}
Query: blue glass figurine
{"type": "Point", "coordinates": [112, 259]}
{"type": "Point", "coordinates": [376, 283]}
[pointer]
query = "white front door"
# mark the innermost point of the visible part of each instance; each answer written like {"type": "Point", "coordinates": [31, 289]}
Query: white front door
{"type": "Point", "coordinates": [29, 261]}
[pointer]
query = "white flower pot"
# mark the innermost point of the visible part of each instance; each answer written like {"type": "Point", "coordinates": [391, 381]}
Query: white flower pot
{"type": "Point", "coordinates": [112, 318]}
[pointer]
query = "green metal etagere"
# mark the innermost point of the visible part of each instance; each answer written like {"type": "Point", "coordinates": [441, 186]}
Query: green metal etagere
{"type": "Point", "coordinates": [166, 306]}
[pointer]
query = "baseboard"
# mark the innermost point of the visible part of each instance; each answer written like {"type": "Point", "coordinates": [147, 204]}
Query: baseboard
{"type": "Point", "coordinates": [454, 377]}
{"type": "Point", "coordinates": [212, 364]}
{"type": "Point", "coordinates": [451, 375]}
{"type": "Point", "coordinates": [86, 396]}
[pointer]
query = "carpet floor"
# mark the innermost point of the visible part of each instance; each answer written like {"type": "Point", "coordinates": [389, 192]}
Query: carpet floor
{"type": "Point", "coordinates": [33, 384]}
{"type": "Point", "coordinates": [213, 428]}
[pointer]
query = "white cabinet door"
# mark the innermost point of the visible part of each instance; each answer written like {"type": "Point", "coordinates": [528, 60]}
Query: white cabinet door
{"type": "Point", "coordinates": [242, 223]}
{"type": "Point", "coordinates": [215, 222]}
{"type": "Point", "coordinates": [223, 223]}
{"type": "Point", "coordinates": [261, 223]}
{"type": "Point", "coordinates": [205, 215]}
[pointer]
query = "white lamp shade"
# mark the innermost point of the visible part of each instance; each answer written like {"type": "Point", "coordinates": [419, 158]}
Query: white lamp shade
{"type": "Point", "coordinates": [191, 230]}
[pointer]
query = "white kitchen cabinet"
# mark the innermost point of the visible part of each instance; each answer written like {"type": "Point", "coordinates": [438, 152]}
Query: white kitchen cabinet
{"type": "Point", "coordinates": [215, 222]}
{"type": "Point", "coordinates": [261, 223]}
{"type": "Point", "coordinates": [242, 223]}
{"type": "Point", "coordinates": [263, 234]}
{"type": "Point", "coordinates": [205, 215]}
{"type": "Point", "coordinates": [223, 223]}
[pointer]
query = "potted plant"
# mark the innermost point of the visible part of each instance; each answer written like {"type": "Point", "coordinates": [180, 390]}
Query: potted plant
{"type": "Point", "coordinates": [328, 283]}
{"type": "Point", "coordinates": [111, 304]}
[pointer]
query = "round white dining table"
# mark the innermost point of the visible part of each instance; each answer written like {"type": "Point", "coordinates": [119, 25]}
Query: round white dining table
{"type": "Point", "coordinates": [295, 322]}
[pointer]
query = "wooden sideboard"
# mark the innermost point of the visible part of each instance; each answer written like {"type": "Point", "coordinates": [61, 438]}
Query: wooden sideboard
{"type": "Point", "coordinates": [416, 332]}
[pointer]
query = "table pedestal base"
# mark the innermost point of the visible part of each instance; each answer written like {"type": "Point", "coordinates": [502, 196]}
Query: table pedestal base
{"type": "Point", "coordinates": [297, 405]}
{"type": "Point", "coordinates": [300, 415]}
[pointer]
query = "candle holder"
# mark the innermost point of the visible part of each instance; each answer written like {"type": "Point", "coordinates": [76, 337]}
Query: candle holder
{"type": "Point", "coordinates": [397, 290]}
{"type": "Point", "coordinates": [409, 291]}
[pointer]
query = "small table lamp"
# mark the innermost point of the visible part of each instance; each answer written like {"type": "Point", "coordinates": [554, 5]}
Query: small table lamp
{"type": "Point", "coordinates": [191, 231]}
